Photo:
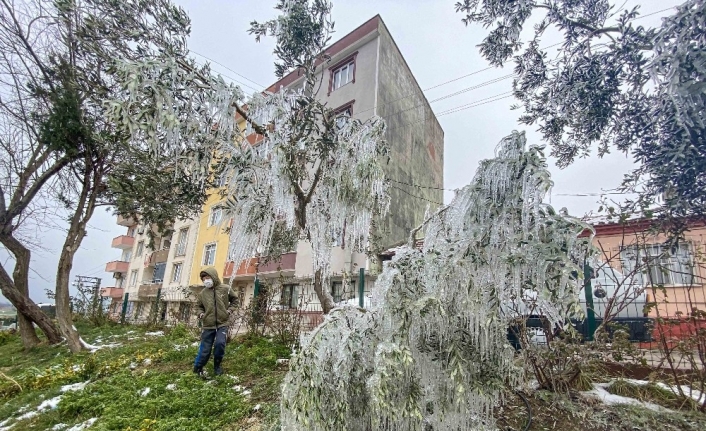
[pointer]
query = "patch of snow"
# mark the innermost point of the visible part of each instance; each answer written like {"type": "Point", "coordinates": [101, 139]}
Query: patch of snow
{"type": "Point", "coordinates": [236, 379]}
{"type": "Point", "coordinates": [147, 361]}
{"type": "Point", "coordinates": [171, 387]}
{"type": "Point", "coordinates": [145, 392]}
{"type": "Point", "coordinates": [195, 343]}
{"type": "Point", "coordinates": [83, 426]}
{"type": "Point", "coordinates": [257, 407]}
{"type": "Point", "coordinates": [599, 391]}
{"type": "Point", "coordinates": [26, 416]}
{"type": "Point", "coordinates": [282, 361]}
{"type": "Point", "coordinates": [132, 365]}
{"type": "Point", "coordinates": [238, 388]}
{"type": "Point", "coordinates": [23, 409]}
{"type": "Point", "coordinates": [179, 347]}
{"type": "Point", "coordinates": [155, 334]}
{"type": "Point", "coordinates": [93, 348]}
{"type": "Point", "coordinates": [49, 404]}
{"type": "Point", "coordinates": [74, 387]}
{"type": "Point", "coordinates": [77, 368]}
{"type": "Point", "coordinates": [130, 332]}
{"type": "Point", "coordinates": [58, 427]}
{"type": "Point", "coordinates": [246, 393]}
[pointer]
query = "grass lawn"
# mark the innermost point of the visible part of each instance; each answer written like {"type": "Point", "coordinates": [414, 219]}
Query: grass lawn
{"type": "Point", "coordinates": [144, 383]}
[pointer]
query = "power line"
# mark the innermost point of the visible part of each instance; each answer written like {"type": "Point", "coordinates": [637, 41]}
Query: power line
{"type": "Point", "coordinates": [232, 79]}
{"type": "Point", "coordinates": [415, 196]}
{"type": "Point", "coordinates": [421, 187]}
{"type": "Point", "coordinates": [223, 65]}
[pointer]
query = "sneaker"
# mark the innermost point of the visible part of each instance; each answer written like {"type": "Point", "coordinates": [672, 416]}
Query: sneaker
{"type": "Point", "coordinates": [200, 372]}
{"type": "Point", "coordinates": [218, 371]}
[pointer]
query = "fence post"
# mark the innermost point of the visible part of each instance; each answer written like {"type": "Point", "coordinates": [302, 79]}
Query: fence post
{"type": "Point", "coordinates": [361, 288]}
{"type": "Point", "coordinates": [124, 310]}
{"type": "Point", "coordinates": [590, 315]}
{"type": "Point", "coordinates": [157, 314]}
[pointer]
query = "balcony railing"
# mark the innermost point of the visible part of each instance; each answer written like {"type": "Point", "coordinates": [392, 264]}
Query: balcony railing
{"type": "Point", "coordinates": [126, 221]}
{"type": "Point", "coordinates": [117, 266]}
{"type": "Point", "coordinates": [112, 292]}
{"type": "Point", "coordinates": [156, 257]}
{"type": "Point", "coordinates": [149, 289]}
{"type": "Point", "coordinates": [287, 262]}
{"type": "Point", "coordinates": [123, 242]}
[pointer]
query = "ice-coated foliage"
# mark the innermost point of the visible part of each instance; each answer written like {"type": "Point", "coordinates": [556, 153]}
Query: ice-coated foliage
{"type": "Point", "coordinates": [323, 187]}
{"type": "Point", "coordinates": [614, 84]}
{"type": "Point", "coordinates": [432, 352]}
{"type": "Point", "coordinates": [298, 170]}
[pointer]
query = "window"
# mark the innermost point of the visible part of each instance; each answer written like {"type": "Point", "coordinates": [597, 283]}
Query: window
{"type": "Point", "coordinates": [127, 256]}
{"type": "Point", "coordinates": [166, 244]}
{"type": "Point", "coordinates": [130, 307]}
{"type": "Point", "coordinates": [209, 254]}
{"type": "Point", "coordinates": [216, 215]}
{"type": "Point", "coordinates": [289, 297]}
{"type": "Point", "coordinates": [176, 272]}
{"type": "Point", "coordinates": [341, 292]}
{"type": "Point", "coordinates": [344, 114]}
{"type": "Point", "coordinates": [131, 232]}
{"type": "Point", "coordinates": [133, 278]}
{"type": "Point", "coordinates": [343, 75]}
{"type": "Point", "coordinates": [140, 248]}
{"type": "Point", "coordinates": [181, 242]}
{"type": "Point", "coordinates": [657, 264]}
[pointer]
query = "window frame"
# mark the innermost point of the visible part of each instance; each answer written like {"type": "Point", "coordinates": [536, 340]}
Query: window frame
{"type": "Point", "coordinates": [289, 301]}
{"type": "Point", "coordinates": [345, 108]}
{"type": "Point", "coordinates": [133, 278]}
{"type": "Point", "coordinates": [348, 60]}
{"type": "Point", "coordinates": [180, 266]}
{"type": "Point", "coordinates": [205, 248]}
{"type": "Point", "coordinates": [140, 248]}
{"type": "Point", "coordinates": [220, 209]}
{"type": "Point", "coordinates": [180, 249]}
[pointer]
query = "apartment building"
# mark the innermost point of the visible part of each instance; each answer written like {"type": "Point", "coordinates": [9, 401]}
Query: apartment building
{"type": "Point", "coordinates": [366, 75]}
{"type": "Point", "coordinates": [142, 275]}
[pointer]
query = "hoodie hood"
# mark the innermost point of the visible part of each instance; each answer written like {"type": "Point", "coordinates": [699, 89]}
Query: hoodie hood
{"type": "Point", "coordinates": [211, 271]}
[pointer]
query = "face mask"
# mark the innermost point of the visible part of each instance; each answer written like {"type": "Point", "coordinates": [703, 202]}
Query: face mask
{"type": "Point", "coordinates": [208, 282]}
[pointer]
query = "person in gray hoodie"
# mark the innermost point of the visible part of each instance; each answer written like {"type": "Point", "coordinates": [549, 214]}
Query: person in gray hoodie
{"type": "Point", "coordinates": [215, 304]}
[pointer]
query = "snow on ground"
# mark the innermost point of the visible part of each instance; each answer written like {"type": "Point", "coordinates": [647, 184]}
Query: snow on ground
{"type": "Point", "coordinates": [83, 426]}
{"type": "Point", "coordinates": [155, 334]}
{"type": "Point", "coordinates": [93, 348]}
{"type": "Point", "coordinates": [50, 404]}
{"type": "Point", "coordinates": [144, 392]}
{"type": "Point", "coordinates": [58, 427]}
{"type": "Point", "coordinates": [599, 391]}
{"type": "Point", "coordinates": [74, 387]}
{"type": "Point", "coordinates": [171, 387]}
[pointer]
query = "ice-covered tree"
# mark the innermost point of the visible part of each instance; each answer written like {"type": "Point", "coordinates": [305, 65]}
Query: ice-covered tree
{"type": "Point", "coordinates": [432, 352]}
{"type": "Point", "coordinates": [612, 84]}
{"type": "Point", "coordinates": [311, 174]}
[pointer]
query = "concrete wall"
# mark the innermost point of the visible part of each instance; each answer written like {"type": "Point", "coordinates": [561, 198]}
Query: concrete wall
{"type": "Point", "coordinates": [416, 143]}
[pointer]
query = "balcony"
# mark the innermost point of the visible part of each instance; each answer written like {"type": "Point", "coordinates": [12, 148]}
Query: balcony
{"type": "Point", "coordinates": [149, 289]}
{"type": "Point", "coordinates": [112, 292]}
{"type": "Point", "coordinates": [123, 242]}
{"type": "Point", "coordinates": [286, 263]}
{"type": "Point", "coordinates": [117, 266]}
{"type": "Point", "coordinates": [156, 257]}
{"type": "Point", "coordinates": [126, 221]}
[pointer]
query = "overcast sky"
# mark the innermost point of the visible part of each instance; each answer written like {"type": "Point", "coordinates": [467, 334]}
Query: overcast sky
{"type": "Point", "coordinates": [437, 47]}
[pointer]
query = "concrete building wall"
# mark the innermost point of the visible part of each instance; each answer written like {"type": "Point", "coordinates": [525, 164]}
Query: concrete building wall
{"type": "Point", "coordinates": [415, 140]}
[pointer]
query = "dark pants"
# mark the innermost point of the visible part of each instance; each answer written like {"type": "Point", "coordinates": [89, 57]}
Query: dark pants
{"type": "Point", "coordinates": [208, 336]}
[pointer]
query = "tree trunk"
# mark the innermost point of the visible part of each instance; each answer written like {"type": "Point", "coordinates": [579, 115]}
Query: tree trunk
{"type": "Point", "coordinates": [27, 312]}
{"type": "Point", "coordinates": [63, 301]}
{"type": "Point", "coordinates": [323, 294]}
{"type": "Point", "coordinates": [77, 231]}
{"type": "Point", "coordinates": [16, 290]}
